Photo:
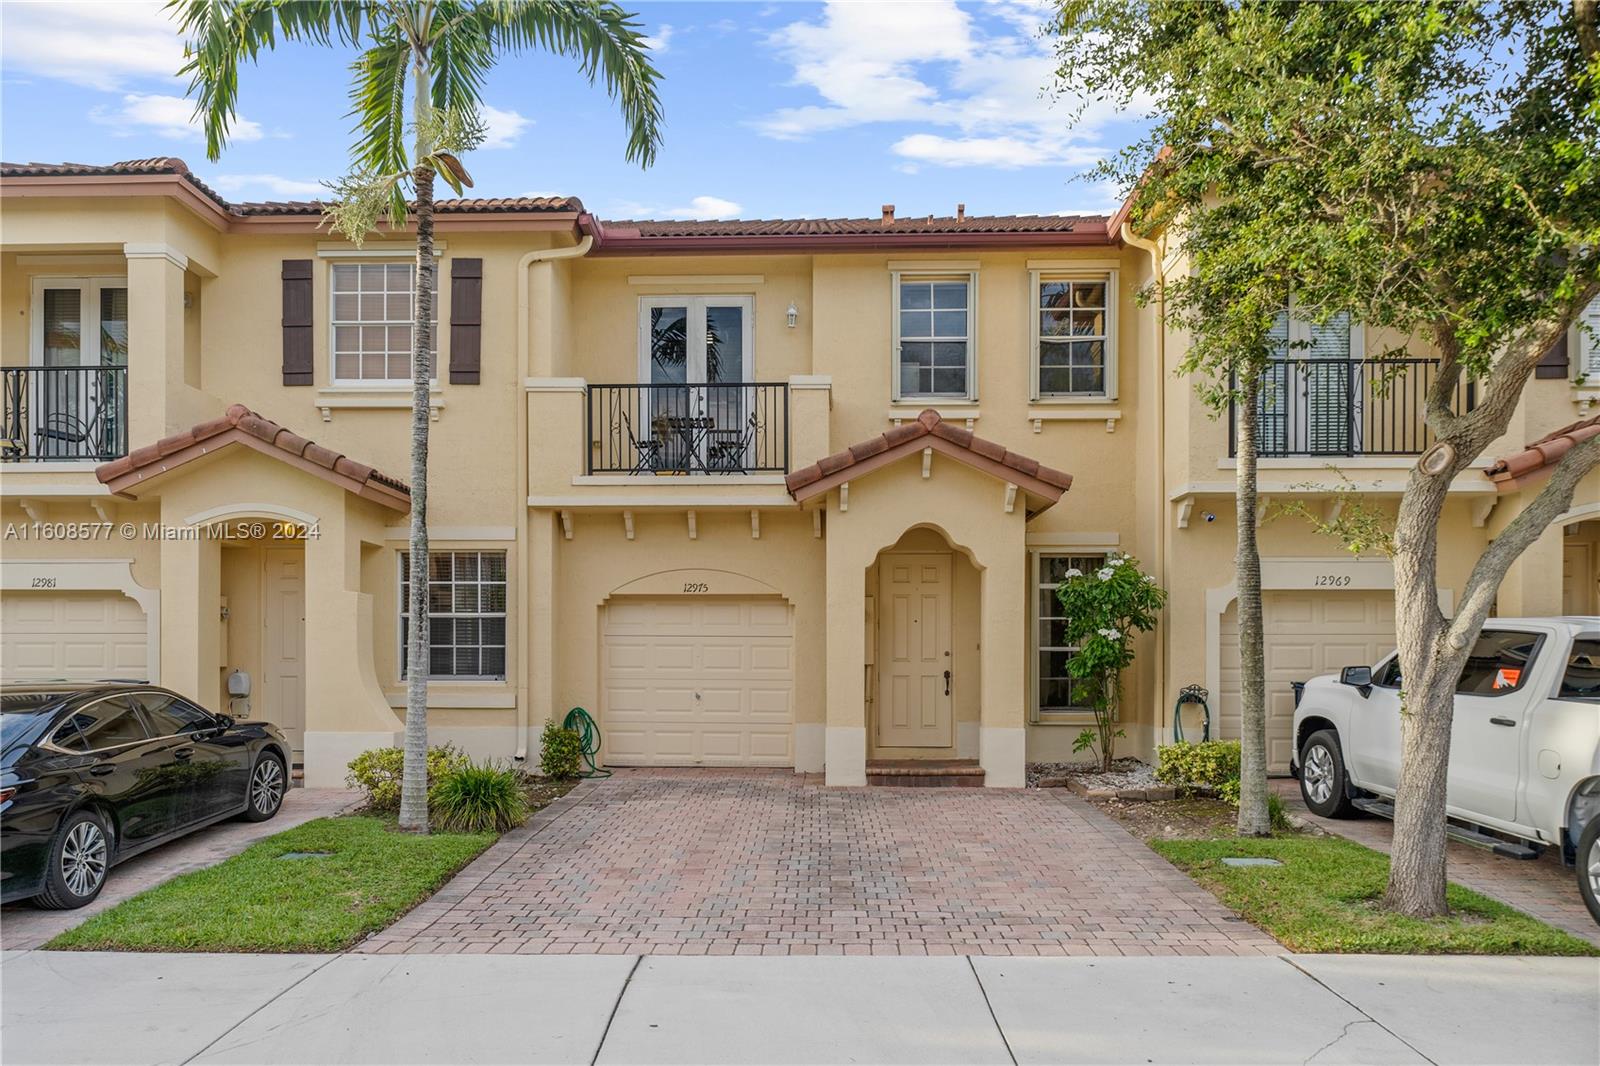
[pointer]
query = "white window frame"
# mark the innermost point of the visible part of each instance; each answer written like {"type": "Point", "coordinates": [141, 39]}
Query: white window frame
{"type": "Point", "coordinates": [89, 288]}
{"type": "Point", "coordinates": [1585, 345]}
{"type": "Point", "coordinates": [439, 354]}
{"type": "Point", "coordinates": [696, 326]}
{"type": "Point", "coordinates": [1036, 714]}
{"type": "Point", "coordinates": [1113, 295]}
{"type": "Point", "coordinates": [1300, 335]}
{"type": "Point", "coordinates": [971, 278]}
{"type": "Point", "coordinates": [402, 615]}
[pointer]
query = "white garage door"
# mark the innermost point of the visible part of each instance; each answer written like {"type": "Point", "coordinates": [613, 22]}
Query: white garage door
{"type": "Point", "coordinates": [698, 683]}
{"type": "Point", "coordinates": [78, 636]}
{"type": "Point", "coordinates": [1307, 633]}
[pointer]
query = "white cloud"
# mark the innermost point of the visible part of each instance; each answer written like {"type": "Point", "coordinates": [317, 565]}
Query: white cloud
{"type": "Point", "coordinates": [99, 45]}
{"type": "Point", "coordinates": [977, 87]}
{"type": "Point", "coordinates": [702, 208]}
{"type": "Point", "coordinates": [244, 186]}
{"type": "Point", "coordinates": [504, 128]}
{"type": "Point", "coordinates": [140, 114]}
{"type": "Point", "coordinates": [659, 41]}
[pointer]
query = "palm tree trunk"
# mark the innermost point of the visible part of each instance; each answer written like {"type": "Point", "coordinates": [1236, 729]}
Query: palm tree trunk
{"type": "Point", "coordinates": [414, 777]}
{"type": "Point", "coordinates": [1254, 820]}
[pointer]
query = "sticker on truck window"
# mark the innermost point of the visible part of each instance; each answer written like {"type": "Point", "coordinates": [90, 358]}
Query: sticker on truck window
{"type": "Point", "coordinates": [1507, 677]}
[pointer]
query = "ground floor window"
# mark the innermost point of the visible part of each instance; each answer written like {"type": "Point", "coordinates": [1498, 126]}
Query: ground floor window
{"type": "Point", "coordinates": [1055, 692]}
{"type": "Point", "coordinates": [466, 614]}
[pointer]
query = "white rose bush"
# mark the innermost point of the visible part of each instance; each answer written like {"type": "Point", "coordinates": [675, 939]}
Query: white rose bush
{"type": "Point", "coordinates": [1104, 611]}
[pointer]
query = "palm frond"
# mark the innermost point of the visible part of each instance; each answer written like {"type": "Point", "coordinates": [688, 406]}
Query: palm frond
{"type": "Point", "coordinates": [378, 100]}
{"type": "Point", "coordinates": [608, 44]}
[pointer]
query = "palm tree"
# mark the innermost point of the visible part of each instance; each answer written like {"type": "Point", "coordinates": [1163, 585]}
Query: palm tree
{"type": "Point", "coordinates": [438, 52]}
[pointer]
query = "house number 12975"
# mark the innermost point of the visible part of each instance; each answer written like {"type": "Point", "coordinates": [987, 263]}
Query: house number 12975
{"type": "Point", "coordinates": [696, 586]}
{"type": "Point", "coordinates": [1336, 581]}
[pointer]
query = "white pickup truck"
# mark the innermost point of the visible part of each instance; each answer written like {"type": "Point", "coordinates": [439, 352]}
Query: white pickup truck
{"type": "Point", "coordinates": [1524, 748]}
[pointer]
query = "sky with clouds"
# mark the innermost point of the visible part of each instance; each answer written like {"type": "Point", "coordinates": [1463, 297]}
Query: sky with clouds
{"type": "Point", "coordinates": [773, 110]}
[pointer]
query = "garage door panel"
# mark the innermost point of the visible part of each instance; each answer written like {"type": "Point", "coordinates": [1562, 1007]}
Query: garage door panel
{"type": "Point", "coordinates": [736, 656]}
{"type": "Point", "coordinates": [73, 635]}
{"type": "Point", "coordinates": [1307, 634]}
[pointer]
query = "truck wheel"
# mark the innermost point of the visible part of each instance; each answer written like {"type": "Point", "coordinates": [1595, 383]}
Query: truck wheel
{"type": "Point", "coordinates": [1589, 867]}
{"type": "Point", "coordinates": [1322, 777]}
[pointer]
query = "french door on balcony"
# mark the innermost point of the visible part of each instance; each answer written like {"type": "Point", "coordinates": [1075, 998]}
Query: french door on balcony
{"type": "Point", "coordinates": [695, 354]}
{"type": "Point", "coordinates": [1312, 395]}
{"type": "Point", "coordinates": [75, 401]}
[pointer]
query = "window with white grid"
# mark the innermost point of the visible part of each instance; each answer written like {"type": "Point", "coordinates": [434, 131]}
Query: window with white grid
{"type": "Point", "coordinates": [466, 614]}
{"type": "Point", "coordinates": [1055, 690]}
{"type": "Point", "coordinates": [372, 317]}
{"type": "Point", "coordinates": [1074, 333]}
{"type": "Point", "coordinates": [933, 335]}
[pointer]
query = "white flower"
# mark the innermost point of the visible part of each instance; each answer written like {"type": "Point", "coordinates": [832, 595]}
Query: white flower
{"type": "Point", "coordinates": [1109, 634]}
{"type": "Point", "coordinates": [1106, 574]}
{"type": "Point", "coordinates": [1149, 579]}
{"type": "Point", "coordinates": [1074, 572]}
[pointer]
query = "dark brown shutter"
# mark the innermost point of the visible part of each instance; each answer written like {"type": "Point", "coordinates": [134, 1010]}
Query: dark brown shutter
{"type": "Point", "coordinates": [466, 320]}
{"type": "Point", "coordinates": [297, 357]}
{"type": "Point", "coordinates": [1554, 363]}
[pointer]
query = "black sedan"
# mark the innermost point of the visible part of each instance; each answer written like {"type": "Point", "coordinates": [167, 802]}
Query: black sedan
{"type": "Point", "coordinates": [92, 774]}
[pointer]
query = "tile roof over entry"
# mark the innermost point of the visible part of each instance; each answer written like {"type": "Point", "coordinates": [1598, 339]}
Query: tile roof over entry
{"type": "Point", "coordinates": [929, 430]}
{"type": "Point", "coordinates": [240, 425]}
{"type": "Point", "coordinates": [1540, 457]}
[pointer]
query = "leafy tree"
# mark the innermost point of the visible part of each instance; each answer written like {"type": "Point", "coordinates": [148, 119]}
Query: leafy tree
{"type": "Point", "coordinates": [1432, 168]}
{"type": "Point", "coordinates": [1105, 610]}
{"type": "Point", "coordinates": [430, 56]}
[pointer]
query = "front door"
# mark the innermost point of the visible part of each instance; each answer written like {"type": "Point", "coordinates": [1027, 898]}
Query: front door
{"type": "Point", "coordinates": [914, 662]}
{"type": "Point", "coordinates": [284, 695]}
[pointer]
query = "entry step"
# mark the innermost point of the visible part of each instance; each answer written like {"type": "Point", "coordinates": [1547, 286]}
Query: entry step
{"type": "Point", "coordinates": [1511, 849]}
{"type": "Point", "coordinates": [925, 773]}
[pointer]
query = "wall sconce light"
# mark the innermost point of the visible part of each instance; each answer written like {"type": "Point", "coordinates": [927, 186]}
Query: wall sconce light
{"type": "Point", "coordinates": [794, 314]}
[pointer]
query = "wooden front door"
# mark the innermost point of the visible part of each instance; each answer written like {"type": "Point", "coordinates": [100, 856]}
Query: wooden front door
{"type": "Point", "coordinates": [914, 709]}
{"type": "Point", "coordinates": [283, 701]}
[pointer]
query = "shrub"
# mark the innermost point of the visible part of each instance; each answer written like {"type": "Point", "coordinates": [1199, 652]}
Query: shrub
{"type": "Point", "coordinates": [378, 772]}
{"type": "Point", "coordinates": [478, 799]}
{"type": "Point", "coordinates": [1212, 764]}
{"type": "Point", "coordinates": [559, 751]}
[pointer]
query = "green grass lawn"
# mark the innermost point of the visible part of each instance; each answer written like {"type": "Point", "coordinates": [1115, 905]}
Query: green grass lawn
{"type": "Point", "coordinates": [1325, 898]}
{"type": "Point", "coordinates": [258, 901]}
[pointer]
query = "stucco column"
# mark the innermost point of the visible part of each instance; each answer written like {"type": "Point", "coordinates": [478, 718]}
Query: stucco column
{"type": "Point", "coordinates": [845, 745]}
{"type": "Point", "coordinates": [541, 637]}
{"type": "Point", "coordinates": [191, 619]}
{"type": "Point", "coordinates": [1533, 585]}
{"type": "Point", "coordinates": [1002, 732]}
{"type": "Point", "coordinates": [155, 340]}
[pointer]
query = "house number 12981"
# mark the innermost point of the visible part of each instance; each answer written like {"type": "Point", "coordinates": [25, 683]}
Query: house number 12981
{"type": "Point", "coordinates": [1337, 581]}
{"type": "Point", "coordinates": [696, 586]}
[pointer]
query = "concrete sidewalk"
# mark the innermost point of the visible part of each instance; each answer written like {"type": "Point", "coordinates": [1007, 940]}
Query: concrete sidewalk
{"type": "Point", "coordinates": [63, 1007]}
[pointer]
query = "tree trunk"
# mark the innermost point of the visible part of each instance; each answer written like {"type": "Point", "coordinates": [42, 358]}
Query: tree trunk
{"type": "Point", "coordinates": [1254, 820]}
{"type": "Point", "coordinates": [414, 779]}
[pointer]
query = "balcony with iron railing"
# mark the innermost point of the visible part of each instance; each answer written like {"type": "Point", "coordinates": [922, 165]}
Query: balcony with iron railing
{"type": "Point", "coordinates": [1344, 408]}
{"type": "Point", "coordinates": [63, 414]}
{"type": "Point", "coordinates": [726, 428]}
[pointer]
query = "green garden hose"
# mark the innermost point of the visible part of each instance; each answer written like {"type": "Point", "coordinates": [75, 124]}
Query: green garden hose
{"type": "Point", "coordinates": [1191, 694]}
{"type": "Point", "coordinates": [579, 722]}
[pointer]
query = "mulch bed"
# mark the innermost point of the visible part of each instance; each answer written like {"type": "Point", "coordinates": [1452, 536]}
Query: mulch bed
{"type": "Point", "coordinates": [1128, 779]}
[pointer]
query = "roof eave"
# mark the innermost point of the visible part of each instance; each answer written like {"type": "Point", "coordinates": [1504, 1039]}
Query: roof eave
{"type": "Point", "coordinates": [610, 244]}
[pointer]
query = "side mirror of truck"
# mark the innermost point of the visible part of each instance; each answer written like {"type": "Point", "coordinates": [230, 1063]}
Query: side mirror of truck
{"type": "Point", "coordinates": [1357, 676]}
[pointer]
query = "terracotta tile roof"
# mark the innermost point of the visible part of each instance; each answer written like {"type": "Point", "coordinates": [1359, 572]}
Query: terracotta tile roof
{"type": "Point", "coordinates": [811, 227]}
{"type": "Point", "coordinates": [928, 429]}
{"type": "Point", "coordinates": [175, 166]}
{"type": "Point", "coordinates": [240, 425]}
{"type": "Point", "coordinates": [1540, 457]}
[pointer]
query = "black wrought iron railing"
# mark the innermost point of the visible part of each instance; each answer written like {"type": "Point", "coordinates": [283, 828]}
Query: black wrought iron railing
{"type": "Point", "coordinates": [63, 413]}
{"type": "Point", "coordinates": [1331, 408]}
{"type": "Point", "coordinates": [730, 428]}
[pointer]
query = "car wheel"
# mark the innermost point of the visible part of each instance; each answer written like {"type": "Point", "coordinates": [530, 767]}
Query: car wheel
{"type": "Point", "coordinates": [1322, 777]}
{"type": "Point", "coordinates": [80, 857]}
{"type": "Point", "coordinates": [1589, 867]}
{"type": "Point", "coordinates": [268, 781]}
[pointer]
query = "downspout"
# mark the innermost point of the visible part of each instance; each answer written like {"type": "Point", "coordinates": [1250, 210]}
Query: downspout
{"type": "Point", "coordinates": [1163, 645]}
{"type": "Point", "coordinates": [524, 358]}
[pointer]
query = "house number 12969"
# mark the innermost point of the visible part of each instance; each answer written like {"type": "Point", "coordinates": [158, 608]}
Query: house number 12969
{"type": "Point", "coordinates": [1337, 581]}
{"type": "Point", "coordinates": [696, 586]}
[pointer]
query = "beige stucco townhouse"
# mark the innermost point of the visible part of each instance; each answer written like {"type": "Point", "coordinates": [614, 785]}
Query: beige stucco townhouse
{"type": "Point", "coordinates": [780, 493]}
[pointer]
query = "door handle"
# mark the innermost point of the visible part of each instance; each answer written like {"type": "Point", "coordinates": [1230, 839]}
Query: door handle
{"type": "Point", "coordinates": [184, 754]}
{"type": "Point", "coordinates": [103, 769]}
{"type": "Point", "coordinates": [947, 682]}
{"type": "Point", "coordinates": [1497, 720]}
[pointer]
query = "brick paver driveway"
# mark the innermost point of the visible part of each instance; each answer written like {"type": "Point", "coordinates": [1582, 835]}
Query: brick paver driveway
{"type": "Point", "coordinates": [719, 862]}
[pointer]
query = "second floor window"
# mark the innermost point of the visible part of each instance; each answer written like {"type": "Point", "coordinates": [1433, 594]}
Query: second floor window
{"type": "Point", "coordinates": [933, 336]}
{"type": "Point", "coordinates": [1075, 338]}
{"type": "Point", "coordinates": [372, 316]}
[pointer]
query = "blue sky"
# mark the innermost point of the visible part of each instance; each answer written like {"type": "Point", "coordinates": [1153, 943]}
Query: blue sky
{"type": "Point", "coordinates": [773, 110]}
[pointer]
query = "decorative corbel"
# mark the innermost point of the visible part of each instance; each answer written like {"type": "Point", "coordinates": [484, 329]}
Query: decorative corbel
{"type": "Point", "coordinates": [1038, 425]}
{"type": "Point", "coordinates": [1185, 509]}
{"type": "Point", "coordinates": [34, 509]}
{"type": "Point", "coordinates": [627, 524]}
{"type": "Point", "coordinates": [103, 508]}
{"type": "Point", "coordinates": [844, 497]}
{"type": "Point", "coordinates": [1011, 498]}
{"type": "Point", "coordinates": [1111, 425]}
{"type": "Point", "coordinates": [566, 524]}
{"type": "Point", "coordinates": [694, 532]}
{"type": "Point", "coordinates": [927, 463]}
{"type": "Point", "coordinates": [816, 522]}
{"type": "Point", "coordinates": [1481, 510]}
{"type": "Point", "coordinates": [755, 525]}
